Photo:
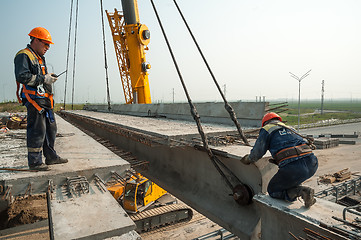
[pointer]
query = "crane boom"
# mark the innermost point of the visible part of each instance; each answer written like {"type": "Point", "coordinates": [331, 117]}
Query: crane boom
{"type": "Point", "coordinates": [130, 42]}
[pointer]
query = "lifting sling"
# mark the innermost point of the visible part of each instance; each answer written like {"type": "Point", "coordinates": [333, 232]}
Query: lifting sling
{"type": "Point", "coordinates": [242, 193]}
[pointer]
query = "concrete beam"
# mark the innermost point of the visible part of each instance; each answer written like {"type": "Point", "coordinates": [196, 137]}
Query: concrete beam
{"type": "Point", "coordinates": [249, 114]}
{"type": "Point", "coordinates": [189, 174]}
{"type": "Point", "coordinates": [294, 218]}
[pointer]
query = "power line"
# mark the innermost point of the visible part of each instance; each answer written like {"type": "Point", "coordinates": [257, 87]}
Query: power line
{"type": "Point", "coordinates": [67, 56]}
{"type": "Point", "coordinates": [75, 35]}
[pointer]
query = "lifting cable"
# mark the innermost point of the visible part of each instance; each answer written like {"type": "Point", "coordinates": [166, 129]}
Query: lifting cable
{"type": "Point", "coordinates": [227, 106]}
{"type": "Point", "coordinates": [67, 56]}
{"type": "Point", "coordinates": [105, 56]}
{"type": "Point", "coordinates": [75, 34]}
{"type": "Point", "coordinates": [242, 190]}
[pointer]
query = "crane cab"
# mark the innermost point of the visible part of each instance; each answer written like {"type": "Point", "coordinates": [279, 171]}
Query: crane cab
{"type": "Point", "coordinates": [140, 194]}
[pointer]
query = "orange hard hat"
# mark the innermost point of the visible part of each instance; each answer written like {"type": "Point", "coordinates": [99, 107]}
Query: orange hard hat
{"type": "Point", "coordinates": [269, 116]}
{"type": "Point", "coordinates": [41, 33]}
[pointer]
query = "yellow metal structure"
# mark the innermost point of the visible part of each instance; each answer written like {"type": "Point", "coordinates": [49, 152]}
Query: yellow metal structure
{"type": "Point", "coordinates": [117, 190]}
{"type": "Point", "coordinates": [140, 193]}
{"type": "Point", "coordinates": [137, 193]}
{"type": "Point", "coordinates": [130, 43]}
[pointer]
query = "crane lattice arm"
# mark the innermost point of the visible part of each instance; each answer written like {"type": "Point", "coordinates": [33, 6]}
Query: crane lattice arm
{"type": "Point", "coordinates": [130, 42]}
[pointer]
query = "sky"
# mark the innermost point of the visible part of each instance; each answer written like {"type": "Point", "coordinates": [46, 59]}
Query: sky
{"type": "Point", "coordinates": [250, 45]}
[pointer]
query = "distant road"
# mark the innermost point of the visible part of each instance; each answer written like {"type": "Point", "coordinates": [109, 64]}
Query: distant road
{"type": "Point", "coordinates": [349, 128]}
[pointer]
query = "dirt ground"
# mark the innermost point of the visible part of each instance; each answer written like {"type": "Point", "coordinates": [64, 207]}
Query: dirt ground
{"type": "Point", "coordinates": [33, 209]}
{"type": "Point", "coordinates": [333, 160]}
{"type": "Point", "coordinates": [24, 210]}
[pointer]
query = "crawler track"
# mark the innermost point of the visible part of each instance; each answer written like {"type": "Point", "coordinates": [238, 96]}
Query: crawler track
{"type": "Point", "coordinates": [162, 216]}
{"type": "Point", "coordinates": [196, 217]}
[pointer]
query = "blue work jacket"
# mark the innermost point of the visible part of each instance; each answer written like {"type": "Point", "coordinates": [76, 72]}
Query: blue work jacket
{"type": "Point", "coordinates": [274, 138]}
{"type": "Point", "coordinates": [30, 73]}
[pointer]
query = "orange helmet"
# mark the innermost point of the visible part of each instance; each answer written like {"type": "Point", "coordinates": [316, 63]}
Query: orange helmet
{"type": "Point", "coordinates": [41, 33]}
{"type": "Point", "coordinates": [269, 116]}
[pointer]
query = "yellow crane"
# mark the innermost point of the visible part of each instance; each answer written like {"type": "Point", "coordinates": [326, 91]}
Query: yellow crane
{"type": "Point", "coordinates": [130, 40]}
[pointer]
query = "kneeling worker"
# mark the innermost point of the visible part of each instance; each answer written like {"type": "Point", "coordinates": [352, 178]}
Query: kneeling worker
{"type": "Point", "coordinates": [290, 152]}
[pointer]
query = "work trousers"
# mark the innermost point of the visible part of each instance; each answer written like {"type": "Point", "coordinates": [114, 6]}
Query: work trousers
{"type": "Point", "coordinates": [41, 133]}
{"type": "Point", "coordinates": [292, 175]}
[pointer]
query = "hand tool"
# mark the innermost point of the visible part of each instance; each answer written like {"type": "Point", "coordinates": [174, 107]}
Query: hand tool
{"type": "Point", "coordinates": [54, 75]}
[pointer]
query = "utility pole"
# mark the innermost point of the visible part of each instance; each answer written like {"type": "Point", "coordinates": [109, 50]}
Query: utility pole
{"type": "Point", "coordinates": [224, 90]}
{"type": "Point", "coordinates": [299, 79]}
{"type": "Point", "coordinates": [173, 94]}
{"type": "Point", "coordinates": [4, 92]}
{"type": "Point", "coordinates": [322, 93]}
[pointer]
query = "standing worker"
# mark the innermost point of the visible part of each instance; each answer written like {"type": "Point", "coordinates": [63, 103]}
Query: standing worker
{"type": "Point", "coordinates": [37, 96]}
{"type": "Point", "coordinates": [291, 153]}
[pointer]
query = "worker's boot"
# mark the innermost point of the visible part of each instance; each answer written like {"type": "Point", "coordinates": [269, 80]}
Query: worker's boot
{"type": "Point", "coordinates": [58, 160]}
{"type": "Point", "coordinates": [306, 193]}
{"type": "Point", "coordinates": [41, 167]}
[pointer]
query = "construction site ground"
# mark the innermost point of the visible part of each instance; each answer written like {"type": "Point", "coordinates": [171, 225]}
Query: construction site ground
{"type": "Point", "coordinates": [33, 209]}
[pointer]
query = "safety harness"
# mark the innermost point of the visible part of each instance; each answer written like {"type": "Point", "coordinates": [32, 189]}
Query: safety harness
{"type": "Point", "coordinates": [295, 151]}
{"type": "Point", "coordinates": [31, 93]}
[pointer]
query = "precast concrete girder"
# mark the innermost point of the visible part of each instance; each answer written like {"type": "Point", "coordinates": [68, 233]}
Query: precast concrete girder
{"type": "Point", "coordinates": [189, 174]}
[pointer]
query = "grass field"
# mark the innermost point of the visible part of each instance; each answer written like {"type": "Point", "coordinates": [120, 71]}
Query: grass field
{"type": "Point", "coordinates": [17, 107]}
{"type": "Point", "coordinates": [310, 111]}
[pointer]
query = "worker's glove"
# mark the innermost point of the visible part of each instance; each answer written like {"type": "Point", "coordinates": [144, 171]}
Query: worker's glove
{"type": "Point", "coordinates": [50, 78]}
{"type": "Point", "coordinates": [273, 161]}
{"type": "Point", "coordinates": [246, 160]}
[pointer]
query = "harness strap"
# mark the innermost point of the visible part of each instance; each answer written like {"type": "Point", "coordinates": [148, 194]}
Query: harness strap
{"type": "Point", "coordinates": [40, 109]}
{"type": "Point", "coordinates": [309, 139]}
{"type": "Point", "coordinates": [47, 95]}
{"type": "Point", "coordinates": [35, 93]}
{"type": "Point", "coordinates": [292, 152]}
{"type": "Point", "coordinates": [17, 92]}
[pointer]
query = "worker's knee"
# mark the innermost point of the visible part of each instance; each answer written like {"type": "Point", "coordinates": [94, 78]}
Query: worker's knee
{"type": "Point", "coordinates": [278, 195]}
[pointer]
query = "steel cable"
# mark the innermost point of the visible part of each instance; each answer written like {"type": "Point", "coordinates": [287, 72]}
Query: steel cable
{"type": "Point", "coordinates": [75, 35]}
{"type": "Point", "coordinates": [105, 56]}
{"type": "Point", "coordinates": [194, 112]}
{"type": "Point", "coordinates": [67, 56]}
{"type": "Point", "coordinates": [227, 106]}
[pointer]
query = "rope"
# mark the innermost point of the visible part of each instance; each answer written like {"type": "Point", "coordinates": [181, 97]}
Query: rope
{"type": "Point", "coordinates": [194, 112]}
{"type": "Point", "coordinates": [75, 34]}
{"type": "Point", "coordinates": [227, 106]}
{"type": "Point", "coordinates": [67, 56]}
{"type": "Point", "coordinates": [105, 56]}
{"type": "Point", "coordinates": [310, 140]}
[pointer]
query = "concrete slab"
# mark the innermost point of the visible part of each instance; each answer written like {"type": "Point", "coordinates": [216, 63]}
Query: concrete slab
{"type": "Point", "coordinates": [38, 230]}
{"type": "Point", "coordinates": [132, 235]}
{"type": "Point", "coordinates": [93, 215]}
{"type": "Point", "coordinates": [86, 157]}
{"type": "Point", "coordinates": [154, 126]}
{"type": "Point", "coordinates": [294, 217]}
{"type": "Point", "coordinates": [249, 114]}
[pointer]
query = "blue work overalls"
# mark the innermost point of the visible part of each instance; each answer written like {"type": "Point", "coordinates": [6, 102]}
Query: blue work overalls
{"type": "Point", "coordinates": [30, 70]}
{"type": "Point", "coordinates": [291, 172]}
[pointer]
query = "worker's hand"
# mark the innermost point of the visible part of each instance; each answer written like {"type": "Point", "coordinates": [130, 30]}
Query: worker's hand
{"type": "Point", "coordinates": [50, 78]}
{"type": "Point", "coordinates": [246, 160]}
